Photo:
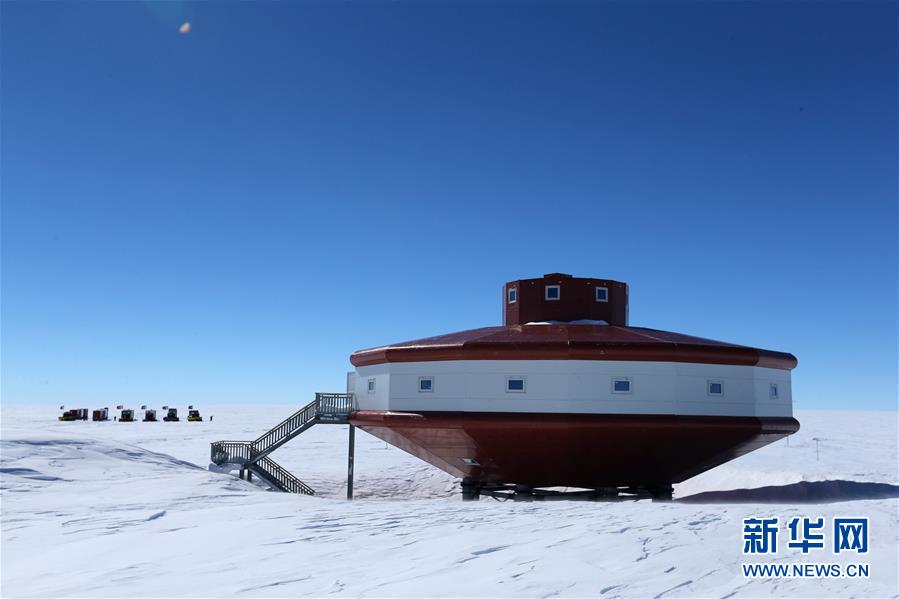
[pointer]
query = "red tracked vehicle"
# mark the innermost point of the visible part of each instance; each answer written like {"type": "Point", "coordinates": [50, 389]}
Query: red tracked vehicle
{"type": "Point", "coordinates": [74, 414]}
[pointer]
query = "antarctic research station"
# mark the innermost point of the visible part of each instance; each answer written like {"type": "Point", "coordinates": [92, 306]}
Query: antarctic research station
{"type": "Point", "coordinates": [565, 399]}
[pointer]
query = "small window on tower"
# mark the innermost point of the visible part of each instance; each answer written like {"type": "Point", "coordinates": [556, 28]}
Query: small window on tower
{"type": "Point", "coordinates": [425, 384]}
{"type": "Point", "coordinates": [371, 385]}
{"type": "Point", "coordinates": [552, 292]}
{"type": "Point", "coordinates": [621, 385]}
{"type": "Point", "coordinates": [716, 388]}
{"type": "Point", "coordinates": [513, 295]}
{"type": "Point", "coordinates": [602, 294]}
{"type": "Point", "coordinates": [515, 384]}
{"type": "Point", "coordinates": [772, 390]}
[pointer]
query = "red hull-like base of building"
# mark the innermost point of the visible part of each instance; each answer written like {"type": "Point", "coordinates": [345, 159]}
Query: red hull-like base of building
{"type": "Point", "coordinates": [589, 451]}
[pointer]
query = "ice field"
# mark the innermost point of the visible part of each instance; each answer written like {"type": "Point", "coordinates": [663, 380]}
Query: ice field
{"type": "Point", "coordinates": [131, 510]}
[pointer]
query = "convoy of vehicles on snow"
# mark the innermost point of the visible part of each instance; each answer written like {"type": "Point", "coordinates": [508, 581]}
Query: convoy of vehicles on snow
{"type": "Point", "coordinates": [127, 414]}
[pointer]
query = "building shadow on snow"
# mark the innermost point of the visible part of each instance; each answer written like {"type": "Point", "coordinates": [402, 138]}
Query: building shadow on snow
{"type": "Point", "coordinates": [825, 491]}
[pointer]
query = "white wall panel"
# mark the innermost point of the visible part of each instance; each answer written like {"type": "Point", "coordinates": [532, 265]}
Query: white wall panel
{"type": "Point", "coordinates": [575, 386]}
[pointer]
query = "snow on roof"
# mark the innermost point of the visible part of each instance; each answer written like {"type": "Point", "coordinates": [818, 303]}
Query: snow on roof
{"type": "Point", "coordinates": [593, 322]}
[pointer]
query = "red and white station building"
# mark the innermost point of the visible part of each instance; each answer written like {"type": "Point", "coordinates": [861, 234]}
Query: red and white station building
{"type": "Point", "coordinates": [567, 394]}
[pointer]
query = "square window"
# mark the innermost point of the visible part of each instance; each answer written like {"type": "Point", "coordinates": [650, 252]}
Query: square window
{"type": "Point", "coordinates": [772, 391]}
{"type": "Point", "coordinates": [621, 385]}
{"type": "Point", "coordinates": [371, 385]}
{"type": "Point", "coordinates": [515, 385]}
{"type": "Point", "coordinates": [425, 384]}
{"type": "Point", "coordinates": [513, 295]}
{"type": "Point", "coordinates": [602, 294]}
{"type": "Point", "coordinates": [716, 388]}
{"type": "Point", "coordinates": [552, 292]}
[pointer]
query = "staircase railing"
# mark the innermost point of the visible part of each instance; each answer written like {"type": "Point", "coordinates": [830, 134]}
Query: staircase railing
{"type": "Point", "coordinates": [334, 404]}
{"type": "Point", "coordinates": [230, 452]}
{"type": "Point", "coordinates": [330, 407]}
{"type": "Point", "coordinates": [280, 477]}
{"type": "Point", "coordinates": [285, 430]}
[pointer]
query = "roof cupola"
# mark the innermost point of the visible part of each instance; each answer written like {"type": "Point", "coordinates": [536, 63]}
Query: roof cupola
{"type": "Point", "coordinates": [560, 297]}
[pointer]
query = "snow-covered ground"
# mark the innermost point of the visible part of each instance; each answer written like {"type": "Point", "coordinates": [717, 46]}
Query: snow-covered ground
{"type": "Point", "coordinates": [130, 509]}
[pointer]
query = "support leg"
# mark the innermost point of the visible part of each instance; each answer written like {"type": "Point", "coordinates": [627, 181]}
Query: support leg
{"type": "Point", "coordinates": [662, 492]}
{"type": "Point", "coordinates": [470, 490]}
{"type": "Point", "coordinates": [351, 456]}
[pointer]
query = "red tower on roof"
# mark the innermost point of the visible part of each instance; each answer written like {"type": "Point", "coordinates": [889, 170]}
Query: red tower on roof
{"type": "Point", "coordinates": [560, 297]}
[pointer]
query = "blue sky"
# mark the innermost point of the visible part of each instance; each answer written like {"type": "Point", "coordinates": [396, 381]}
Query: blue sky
{"type": "Point", "coordinates": [224, 216]}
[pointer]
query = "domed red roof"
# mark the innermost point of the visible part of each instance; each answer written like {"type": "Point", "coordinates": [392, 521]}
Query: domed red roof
{"type": "Point", "coordinates": [572, 342]}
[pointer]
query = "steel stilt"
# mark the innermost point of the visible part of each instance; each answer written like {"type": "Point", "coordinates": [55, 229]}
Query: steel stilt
{"type": "Point", "coordinates": [350, 465]}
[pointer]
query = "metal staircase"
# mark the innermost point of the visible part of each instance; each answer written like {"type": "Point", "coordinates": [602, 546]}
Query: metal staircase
{"type": "Point", "coordinates": [252, 456]}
